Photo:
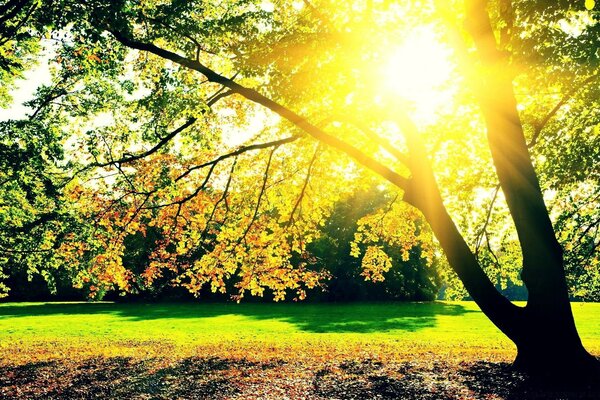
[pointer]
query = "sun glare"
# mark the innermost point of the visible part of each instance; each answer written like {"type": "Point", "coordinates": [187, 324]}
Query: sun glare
{"type": "Point", "coordinates": [417, 72]}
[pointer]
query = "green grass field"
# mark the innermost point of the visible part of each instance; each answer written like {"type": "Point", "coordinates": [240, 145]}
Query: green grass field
{"type": "Point", "coordinates": [263, 351]}
{"type": "Point", "coordinates": [47, 330]}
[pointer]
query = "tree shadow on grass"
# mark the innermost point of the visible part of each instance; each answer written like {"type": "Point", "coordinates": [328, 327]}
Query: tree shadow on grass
{"type": "Point", "coordinates": [316, 318]}
{"type": "Point", "coordinates": [367, 318]}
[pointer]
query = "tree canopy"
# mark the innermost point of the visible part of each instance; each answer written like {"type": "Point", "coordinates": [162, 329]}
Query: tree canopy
{"type": "Point", "coordinates": [142, 139]}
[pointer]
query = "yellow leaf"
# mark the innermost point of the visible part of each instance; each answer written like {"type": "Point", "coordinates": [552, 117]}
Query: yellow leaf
{"type": "Point", "coordinates": [589, 4]}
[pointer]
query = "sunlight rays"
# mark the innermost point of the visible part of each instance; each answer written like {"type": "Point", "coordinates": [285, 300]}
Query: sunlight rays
{"type": "Point", "coordinates": [418, 73]}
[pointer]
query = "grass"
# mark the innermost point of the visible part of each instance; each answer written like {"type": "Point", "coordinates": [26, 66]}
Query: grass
{"type": "Point", "coordinates": [456, 329]}
{"type": "Point", "coordinates": [441, 350]}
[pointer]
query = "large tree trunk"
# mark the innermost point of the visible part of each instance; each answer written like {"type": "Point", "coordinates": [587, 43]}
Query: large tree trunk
{"type": "Point", "coordinates": [548, 345]}
{"type": "Point", "coordinates": [544, 331]}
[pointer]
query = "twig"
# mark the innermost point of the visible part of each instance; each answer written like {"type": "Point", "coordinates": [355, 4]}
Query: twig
{"type": "Point", "coordinates": [260, 196]}
{"type": "Point", "coordinates": [306, 180]}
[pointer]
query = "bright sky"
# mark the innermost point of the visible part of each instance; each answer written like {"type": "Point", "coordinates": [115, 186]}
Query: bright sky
{"type": "Point", "coordinates": [25, 88]}
{"type": "Point", "coordinates": [417, 72]}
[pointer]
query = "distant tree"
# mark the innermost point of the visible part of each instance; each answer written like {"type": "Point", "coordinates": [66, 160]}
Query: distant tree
{"type": "Point", "coordinates": [409, 277]}
{"type": "Point", "coordinates": [31, 214]}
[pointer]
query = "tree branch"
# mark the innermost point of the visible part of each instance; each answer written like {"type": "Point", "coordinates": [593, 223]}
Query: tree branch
{"type": "Point", "coordinates": [163, 141]}
{"type": "Point", "coordinates": [382, 142]}
{"type": "Point", "coordinates": [483, 229]}
{"type": "Point", "coordinates": [212, 164]}
{"type": "Point", "coordinates": [306, 180]}
{"type": "Point", "coordinates": [221, 199]}
{"type": "Point", "coordinates": [189, 196]}
{"type": "Point", "coordinates": [538, 127]}
{"type": "Point", "coordinates": [279, 109]}
{"type": "Point", "coordinates": [10, 31]}
{"type": "Point", "coordinates": [158, 146]}
{"type": "Point", "coordinates": [11, 9]}
{"type": "Point", "coordinates": [260, 196]}
{"type": "Point", "coordinates": [42, 219]}
{"type": "Point", "coordinates": [241, 150]}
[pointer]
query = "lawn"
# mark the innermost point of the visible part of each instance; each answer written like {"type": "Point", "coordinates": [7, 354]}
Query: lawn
{"type": "Point", "coordinates": [235, 347]}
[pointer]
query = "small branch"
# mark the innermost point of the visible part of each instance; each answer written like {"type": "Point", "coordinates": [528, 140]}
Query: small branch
{"type": "Point", "coordinates": [221, 199]}
{"type": "Point", "coordinates": [158, 146]}
{"type": "Point", "coordinates": [538, 127]}
{"type": "Point", "coordinates": [387, 211]}
{"type": "Point", "coordinates": [594, 199]}
{"type": "Point", "coordinates": [320, 16]}
{"type": "Point", "coordinates": [49, 99]}
{"type": "Point", "coordinates": [594, 224]}
{"type": "Point", "coordinates": [11, 9]}
{"type": "Point", "coordinates": [112, 204]}
{"type": "Point", "coordinates": [176, 217]}
{"type": "Point", "coordinates": [241, 150]}
{"type": "Point", "coordinates": [117, 165]}
{"type": "Point", "coordinates": [191, 195]}
{"type": "Point", "coordinates": [489, 248]}
{"type": "Point", "coordinates": [192, 39]}
{"type": "Point", "coordinates": [382, 142]}
{"type": "Point", "coordinates": [42, 219]}
{"type": "Point", "coordinates": [136, 212]}
{"type": "Point", "coordinates": [219, 94]}
{"type": "Point", "coordinates": [163, 141]}
{"type": "Point", "coordinates": [260, 196]}
{"type": "Point", "coordinates": [483, 229]}
{"type": "Point", "coordinates": [306, 180]}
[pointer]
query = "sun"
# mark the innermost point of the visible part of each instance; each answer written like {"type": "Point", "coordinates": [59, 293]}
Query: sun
{"type": "Point", "coordinates": [418, 71]}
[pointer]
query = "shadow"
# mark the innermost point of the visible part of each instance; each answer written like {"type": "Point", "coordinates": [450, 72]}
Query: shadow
{"type": "Point", "coordinates": [434, 379]}
{"type": "Point", "coordinates": [119, 378]}
{"type": "Point", "coordinates": [316, 318]}
{"type": "Point", "coordinates": [220, 378]}
{"type": "Point", "coordinates": [217, 378]}
{"type": "Point", "coordinates": [372, 380]}
{"type": "Point", "coordinates": [501, 379]}
{"type": "Point", "coordinates": [378, 387]}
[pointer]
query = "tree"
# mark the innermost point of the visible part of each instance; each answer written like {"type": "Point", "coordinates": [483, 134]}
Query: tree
{"type": "Point", "coordinates": [31, 214]}
{"type": "Point", "coordinates": [407, 273]}
{"type": "Point", "coordinates": [281, 52]}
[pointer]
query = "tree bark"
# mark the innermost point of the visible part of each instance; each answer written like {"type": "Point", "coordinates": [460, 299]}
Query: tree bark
{"type": "Point", "coordinates": [423, 193]}
{"type": "Point", "coordinates": [545, 333]}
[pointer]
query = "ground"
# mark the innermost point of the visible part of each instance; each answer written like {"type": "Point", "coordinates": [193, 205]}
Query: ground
{"type": "Point", "coordinates": [265, 351]}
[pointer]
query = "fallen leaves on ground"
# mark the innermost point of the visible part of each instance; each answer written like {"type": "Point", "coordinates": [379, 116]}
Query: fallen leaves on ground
{"type": "Point", "coordinates": [241, 378]}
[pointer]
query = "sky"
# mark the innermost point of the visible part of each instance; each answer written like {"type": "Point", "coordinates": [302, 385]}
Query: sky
{"type": "Point", "coordinates": [25, 88]}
